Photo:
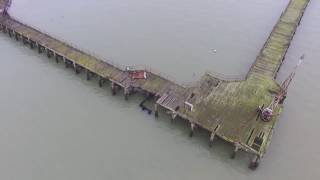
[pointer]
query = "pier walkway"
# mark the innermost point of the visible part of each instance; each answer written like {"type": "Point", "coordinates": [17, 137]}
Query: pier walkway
{"type": "Point", "coordinates": [225, 108]}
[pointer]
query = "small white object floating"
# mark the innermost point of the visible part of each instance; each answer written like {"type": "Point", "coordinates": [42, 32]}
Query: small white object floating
{"type": "Point", "coordinates": [214, 51]}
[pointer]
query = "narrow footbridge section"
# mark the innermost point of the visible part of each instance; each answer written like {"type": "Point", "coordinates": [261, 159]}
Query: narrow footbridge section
{"type": "Point", "coordinates": [225, 108]}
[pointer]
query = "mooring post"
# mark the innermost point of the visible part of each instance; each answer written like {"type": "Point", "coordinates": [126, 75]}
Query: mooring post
{"type": "Point", "coordinates": [212, 136]}
{"type": "Point", "coordinates": [156, 111]}
{"type": "Point", "coordinates": [193, 126]}
{"type": "Point", "coordinates": [113, 88]}
{"type": "Point", "coordinates": [254, 162]}
{"type": "Point", "coordinates": [236, 149]}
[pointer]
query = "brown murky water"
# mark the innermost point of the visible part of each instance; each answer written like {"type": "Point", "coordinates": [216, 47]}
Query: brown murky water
{"type": "Point", "coordinates": [56, 125]}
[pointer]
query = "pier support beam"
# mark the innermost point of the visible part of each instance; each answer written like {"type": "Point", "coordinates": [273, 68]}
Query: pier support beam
{"type": "Point", "coordinates": [173, 116]}
{"type": "Point", "coordinates": [101, 81]}
{"type": "Point", "coordinates": [126, 93]}
{"type": "Point", "coordinates": [10, 33]}
{"type": "Point", "coordinates": [254, 162]}
{"type": "Point", "coordinates": [4, 29]}
{"type": "Point", "coordinates": [32, 44]}
{"type": "Point", "coordinates": [49, 53]}
{"type": "Point", "coordinates": [236, 149]}
{"type": "Point", "coordinates": [156, 110]}
{"type": "Point", "coordinates": [17, 36]}
{"type": "Point", "coordinates": [40, 49]}
{"type": "Point", "coordinates": [67, 63]}
{"type": "Point", "coordinates": [113, 88]}
{"type": "Point", "coordinates": [77, 68]}
{"type": "Point", "coordinates": [89, 75]}
{"type": "Point", "coordinates": [24, 40]}
{"type": "Point", "coordinates": [192, 126]}
{"type": "Point", "coordinates": [212, 136]}
{"type": "Point", "coordinates": [58, 58]}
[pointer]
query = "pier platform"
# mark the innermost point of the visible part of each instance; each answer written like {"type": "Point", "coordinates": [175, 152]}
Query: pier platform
{"type": "Point", "coordinates": [225, 108]}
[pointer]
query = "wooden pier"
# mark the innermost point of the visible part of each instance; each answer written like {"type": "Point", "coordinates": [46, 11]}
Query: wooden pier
{"type": "Point", "coordinates": [225, 108]}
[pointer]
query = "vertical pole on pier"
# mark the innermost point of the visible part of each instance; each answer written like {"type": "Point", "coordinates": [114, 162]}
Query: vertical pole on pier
{"type": "Point", "coordinates": [212, 136]}
{"type": "Point", "coordinates": [254, 162]}
{"type": "Point", "coordinates": [236, 149]}
{"type": "Point", "coordinates": [193, 126]}
{"type": "Point", "coordinates": [113, 88]}
{"type": "Point", "coordinates": [156, 110]}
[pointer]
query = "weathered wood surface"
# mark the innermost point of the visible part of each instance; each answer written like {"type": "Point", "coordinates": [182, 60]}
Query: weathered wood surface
{"type": "Point", "coordinates": [226, 108]}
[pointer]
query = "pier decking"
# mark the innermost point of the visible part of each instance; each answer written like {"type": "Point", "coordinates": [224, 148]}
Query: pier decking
{"type": "Point", "coordinates": [225, 108]}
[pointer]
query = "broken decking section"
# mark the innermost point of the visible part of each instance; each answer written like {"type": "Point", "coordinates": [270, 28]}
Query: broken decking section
{"type": "Point", "coordinates": [226, 109]}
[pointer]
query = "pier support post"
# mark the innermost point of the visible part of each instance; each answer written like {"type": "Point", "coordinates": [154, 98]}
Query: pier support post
{"type": "Point", "coordinates": [236, 149]}
{"type": "Point", "coordinates": [77, 68]}
{"type": "Point", "coordinates": [173, 116]}
{"type": "Point", "coordinates": [32, 44]}
{"type": "Point", "coordinates": [126, 93]}
{"type": "Point", "coordinates": [113, 88]}
{"type": "Point", "coordinates": [16, 35]}
{"type": "Point", "coordinates": [193, 126]}
{"type": "Point", "coordinates": [24, 40]}
{"type": "Point", "coordinates": [49, 53]}
{"type": "Point", "coordinates": [101, 81]}
{"type": "Point", "coordinates": [89, 75]}
{"type": "Point", "coordinates": [40, 49]}
{"type": "Point", "coordinates": [156, 110]}
{"type": "Point", "coordinates": [67, 63]}
{"type": "Point", "coordinates": [254, 162]}
{"type": "Point", "coordinates": [212, 136]}
{"type": "Point", "coordinates": [10, 33]}
{"type": "Point", "coordinates": [57, 58]}
{"type": "Point", "coordinates": [4, 29]}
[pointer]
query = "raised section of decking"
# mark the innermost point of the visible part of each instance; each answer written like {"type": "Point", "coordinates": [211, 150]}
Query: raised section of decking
{"type": "Point", "coordinates": [225, 108]}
